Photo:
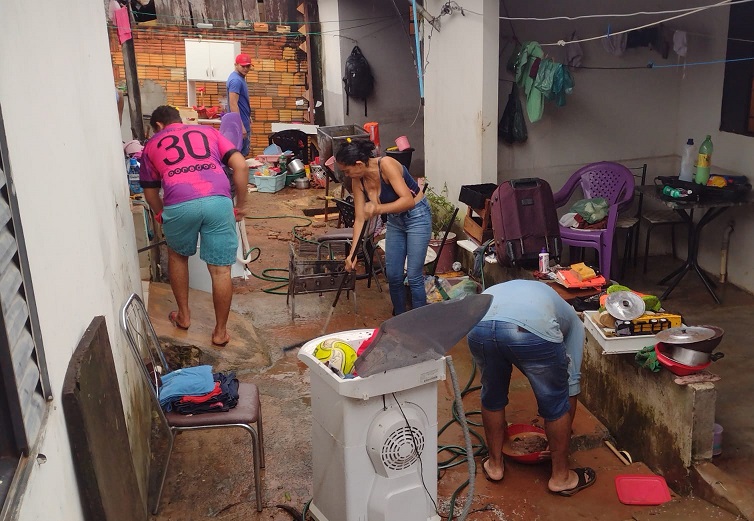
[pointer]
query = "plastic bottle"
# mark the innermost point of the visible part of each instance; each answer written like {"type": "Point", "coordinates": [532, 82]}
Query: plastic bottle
{"type": "Point", "coordinates": [687, 162]}
{"type": "Point", "coordinates": [703, 162]}
{"type": "Point", "coordinates": [133, 176]}
{"type": "Point", "coordinates": [544, 261]}
{"type": "Point", "coordinates": [671, 192]}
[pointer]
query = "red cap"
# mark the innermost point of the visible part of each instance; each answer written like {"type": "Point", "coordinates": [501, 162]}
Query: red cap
{"type": "Point", "coordinates": [243, 59]}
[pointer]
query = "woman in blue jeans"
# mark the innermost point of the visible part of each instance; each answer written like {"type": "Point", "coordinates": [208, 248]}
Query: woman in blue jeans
{"type": "Point", "coordinates": [384, 186]}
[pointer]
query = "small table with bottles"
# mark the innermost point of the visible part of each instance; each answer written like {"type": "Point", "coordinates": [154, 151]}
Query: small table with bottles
{"type": "Point", "coordinates": [712, 209]}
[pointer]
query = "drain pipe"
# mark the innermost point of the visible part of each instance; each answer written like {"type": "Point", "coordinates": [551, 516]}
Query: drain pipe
{"type": "Point", "coordinates": [724, 251]}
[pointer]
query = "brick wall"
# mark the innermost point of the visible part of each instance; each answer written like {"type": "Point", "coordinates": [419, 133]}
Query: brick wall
{"type": "Point", "coordinates": [278, 77]}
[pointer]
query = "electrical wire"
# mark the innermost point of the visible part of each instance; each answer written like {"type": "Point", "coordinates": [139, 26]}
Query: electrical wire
{"type": "Point", "coordinates": [618, 15]}
{"type": "Point", "coordinates": [562, 43]}
{"type": "Point", "coordinates": [190, 31]}
{"type": "Point", "coordinates": [416, 451]}
{"type": "Point", "coordinates": [274, 22]}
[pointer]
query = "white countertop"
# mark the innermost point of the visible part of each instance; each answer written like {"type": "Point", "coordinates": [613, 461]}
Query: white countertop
{"type": "Point", "coordinates": [303, 127]}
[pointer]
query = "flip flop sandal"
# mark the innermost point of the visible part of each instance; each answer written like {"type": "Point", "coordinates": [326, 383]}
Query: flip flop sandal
{"type": "Point", "coordinates": [221, 345]}
{"type": "Point", "coordinates": [172, 317]}
{"type": "Point", "coordinates": [487, 476]}
{"type": "Point", "coordinates": [587, 477]}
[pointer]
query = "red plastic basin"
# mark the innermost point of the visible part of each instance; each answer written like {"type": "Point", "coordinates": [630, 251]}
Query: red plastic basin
{"type": "Point", "coordinates": [675, 367]}
{"type": "Point", "coordinates": [521, 428]}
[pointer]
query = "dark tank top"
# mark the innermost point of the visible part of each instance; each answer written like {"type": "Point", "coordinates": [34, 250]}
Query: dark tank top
{"type": "Point", "coordinates": [387, 193]}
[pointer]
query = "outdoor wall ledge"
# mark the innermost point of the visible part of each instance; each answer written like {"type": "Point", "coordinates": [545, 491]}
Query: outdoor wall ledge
{"type": "Point", "coordinates": [716, 486]}
{"type": "Point", "coordinates": [663, 424]}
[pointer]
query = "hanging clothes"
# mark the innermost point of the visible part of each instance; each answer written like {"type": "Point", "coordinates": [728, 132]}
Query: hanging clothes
{"type": "Point", "coordinates": [615, 44]}
{"type": "Point", "coordinates": [562, 84]}
{"type": "Point", "coordinates": [531, 55]}
{"type": "Point", "coordinates": [658, 38]}
{"type": "Point", "coordinates": [540, 78]}
{"type": "Point", "coordinates": [573, 53]}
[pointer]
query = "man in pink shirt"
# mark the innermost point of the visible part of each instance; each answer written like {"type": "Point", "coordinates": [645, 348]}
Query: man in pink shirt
{"type": "Point", "coordinates": [186, 162]}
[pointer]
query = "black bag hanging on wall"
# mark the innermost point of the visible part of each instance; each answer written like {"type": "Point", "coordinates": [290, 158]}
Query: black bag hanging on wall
{"type": "Point", "coordinates": [358, 80]}
{"type": "Point", "coordinates": [512, 127]}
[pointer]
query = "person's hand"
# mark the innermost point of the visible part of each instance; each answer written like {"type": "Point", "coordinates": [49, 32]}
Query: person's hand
{"type": "Point", "coordinates": [371, 209]}
{"type": "Point", "coordinates": [244, 132]}
{"type": "Point", "coordinates": [545, 455]}
{"type": "Point", "coordinates": [239, 214]}
{"type": "Point", "coordinates": [351, 263]}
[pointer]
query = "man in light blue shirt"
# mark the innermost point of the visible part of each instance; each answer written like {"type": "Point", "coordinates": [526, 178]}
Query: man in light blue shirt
{"type": "Point", "coordinates": [531, 327]}
{"type": "Point", "coordinates": [238, 98]}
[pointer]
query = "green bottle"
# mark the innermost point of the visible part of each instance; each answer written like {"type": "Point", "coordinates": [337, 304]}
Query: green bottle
{"type": "Point", "coordinates": [703, 162]}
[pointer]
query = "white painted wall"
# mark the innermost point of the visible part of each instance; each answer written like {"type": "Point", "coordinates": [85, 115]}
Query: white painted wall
{"type": "Point", "coordinates": [332, 67]}
{"type": "Point", "coordinates": [395, 104]}
{"type": "Point", "coordinates": [58, 100]}
{"type": "Point", "coordinates": [633, 116]}
{"type": "Point", "coordinates": [460, 119]}
{"type": "Point", "coordinates": [618, 115]}
{"type": "Point", "coordinates": [700, 99]}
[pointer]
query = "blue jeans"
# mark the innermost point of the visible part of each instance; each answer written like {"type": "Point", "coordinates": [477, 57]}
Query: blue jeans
{"type": "Point", "coordinates": [406, 242]}
{"type": "Point", "coordinates": [246, 145]}
{"type": "Point", "coordinates": [497, 346]}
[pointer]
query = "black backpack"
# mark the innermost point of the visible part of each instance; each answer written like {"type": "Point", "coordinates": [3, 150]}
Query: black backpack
{"type": "Point", "coordinates": [358, 80]}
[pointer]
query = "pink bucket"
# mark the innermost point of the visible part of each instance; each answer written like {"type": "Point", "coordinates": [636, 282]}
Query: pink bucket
{"type": "Point", "coordinates": [402, 143]}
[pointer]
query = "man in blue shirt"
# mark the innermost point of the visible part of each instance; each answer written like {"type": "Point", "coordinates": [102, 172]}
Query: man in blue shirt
{"type": "Point", "coordinates": [530, 326]}
{"type": "Point", "coordinates": [238, 97]}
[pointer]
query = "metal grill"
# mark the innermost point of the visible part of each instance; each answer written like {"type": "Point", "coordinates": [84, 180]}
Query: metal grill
{"type": "Point", "coordinates": [308, 272]}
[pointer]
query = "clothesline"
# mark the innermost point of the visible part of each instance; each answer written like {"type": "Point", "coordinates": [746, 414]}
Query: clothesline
{"type": "Point", "coordinates": [562, 43]}
{"type": "Point", "coordinates": [620, 15]}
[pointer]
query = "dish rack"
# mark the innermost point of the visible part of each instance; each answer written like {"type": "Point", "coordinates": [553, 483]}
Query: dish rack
{"type": "Point", "coordinates": [311, 269]}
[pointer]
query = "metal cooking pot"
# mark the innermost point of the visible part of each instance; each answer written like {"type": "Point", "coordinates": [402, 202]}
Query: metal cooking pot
{"type": "Point", "coordinates": [690, 357]}
{"type": "Point", "coordinates": [696, 338]}
{"type": "Point", "coordinates": [301, 183]}
{"type": "Point", "coordinates": [296, 166]}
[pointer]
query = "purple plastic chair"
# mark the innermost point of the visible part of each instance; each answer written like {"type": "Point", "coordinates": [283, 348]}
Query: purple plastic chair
{"type": "Point", "coordinates": [232, 128]}
{"type": "Point", "coordinates": [613, 182]}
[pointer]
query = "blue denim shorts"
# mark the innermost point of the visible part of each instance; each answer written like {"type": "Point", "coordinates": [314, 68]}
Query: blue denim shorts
{"type": "Point", "coordinates": [497, 346]}
{"type": "Point", "coordinates": [210, 218]}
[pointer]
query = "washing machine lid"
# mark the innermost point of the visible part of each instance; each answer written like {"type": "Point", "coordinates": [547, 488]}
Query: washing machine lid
{"type": "Point", "coordinates": [425, 333]}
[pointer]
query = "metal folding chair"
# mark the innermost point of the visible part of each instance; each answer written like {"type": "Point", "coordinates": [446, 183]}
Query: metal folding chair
{"type": "Point", "coordinates": [145, 345]}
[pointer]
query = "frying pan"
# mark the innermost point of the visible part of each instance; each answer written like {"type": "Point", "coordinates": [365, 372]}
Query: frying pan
{"type": "Point", "coordinates": [687, 338]}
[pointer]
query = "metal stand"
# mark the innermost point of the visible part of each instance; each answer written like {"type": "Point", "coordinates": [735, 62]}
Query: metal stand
{"type": "Point", "coordinates": [695, 231]}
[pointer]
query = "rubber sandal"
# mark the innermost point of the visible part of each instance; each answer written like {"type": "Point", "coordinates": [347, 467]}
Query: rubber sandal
{"type": "Point", "coordinates": [587, 477]}
{"type": "Point", "coordinates": [487, 476]}
{"type": "Point", "coordinates": [172, 317]}
{"type": "Point", "coordinates": [221, 345]}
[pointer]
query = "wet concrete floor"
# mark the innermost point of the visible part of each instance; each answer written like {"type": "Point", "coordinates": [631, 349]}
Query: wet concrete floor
{"type": "Point", "coordinates": [211, 475]}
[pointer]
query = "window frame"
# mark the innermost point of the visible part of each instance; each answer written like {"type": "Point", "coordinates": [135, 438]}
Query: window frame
{"type": "Point", "coordinates": [16, 444]}
{"type": "Point", "coordinates": [737, 108]}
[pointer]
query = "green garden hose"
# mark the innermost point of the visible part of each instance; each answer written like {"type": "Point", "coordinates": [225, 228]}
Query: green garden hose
{"type": "Point", "coordinates": [266, 274]}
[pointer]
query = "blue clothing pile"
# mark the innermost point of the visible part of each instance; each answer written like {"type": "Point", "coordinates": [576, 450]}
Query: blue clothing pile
{"type": "Point", "coordinates": [195, 390]}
